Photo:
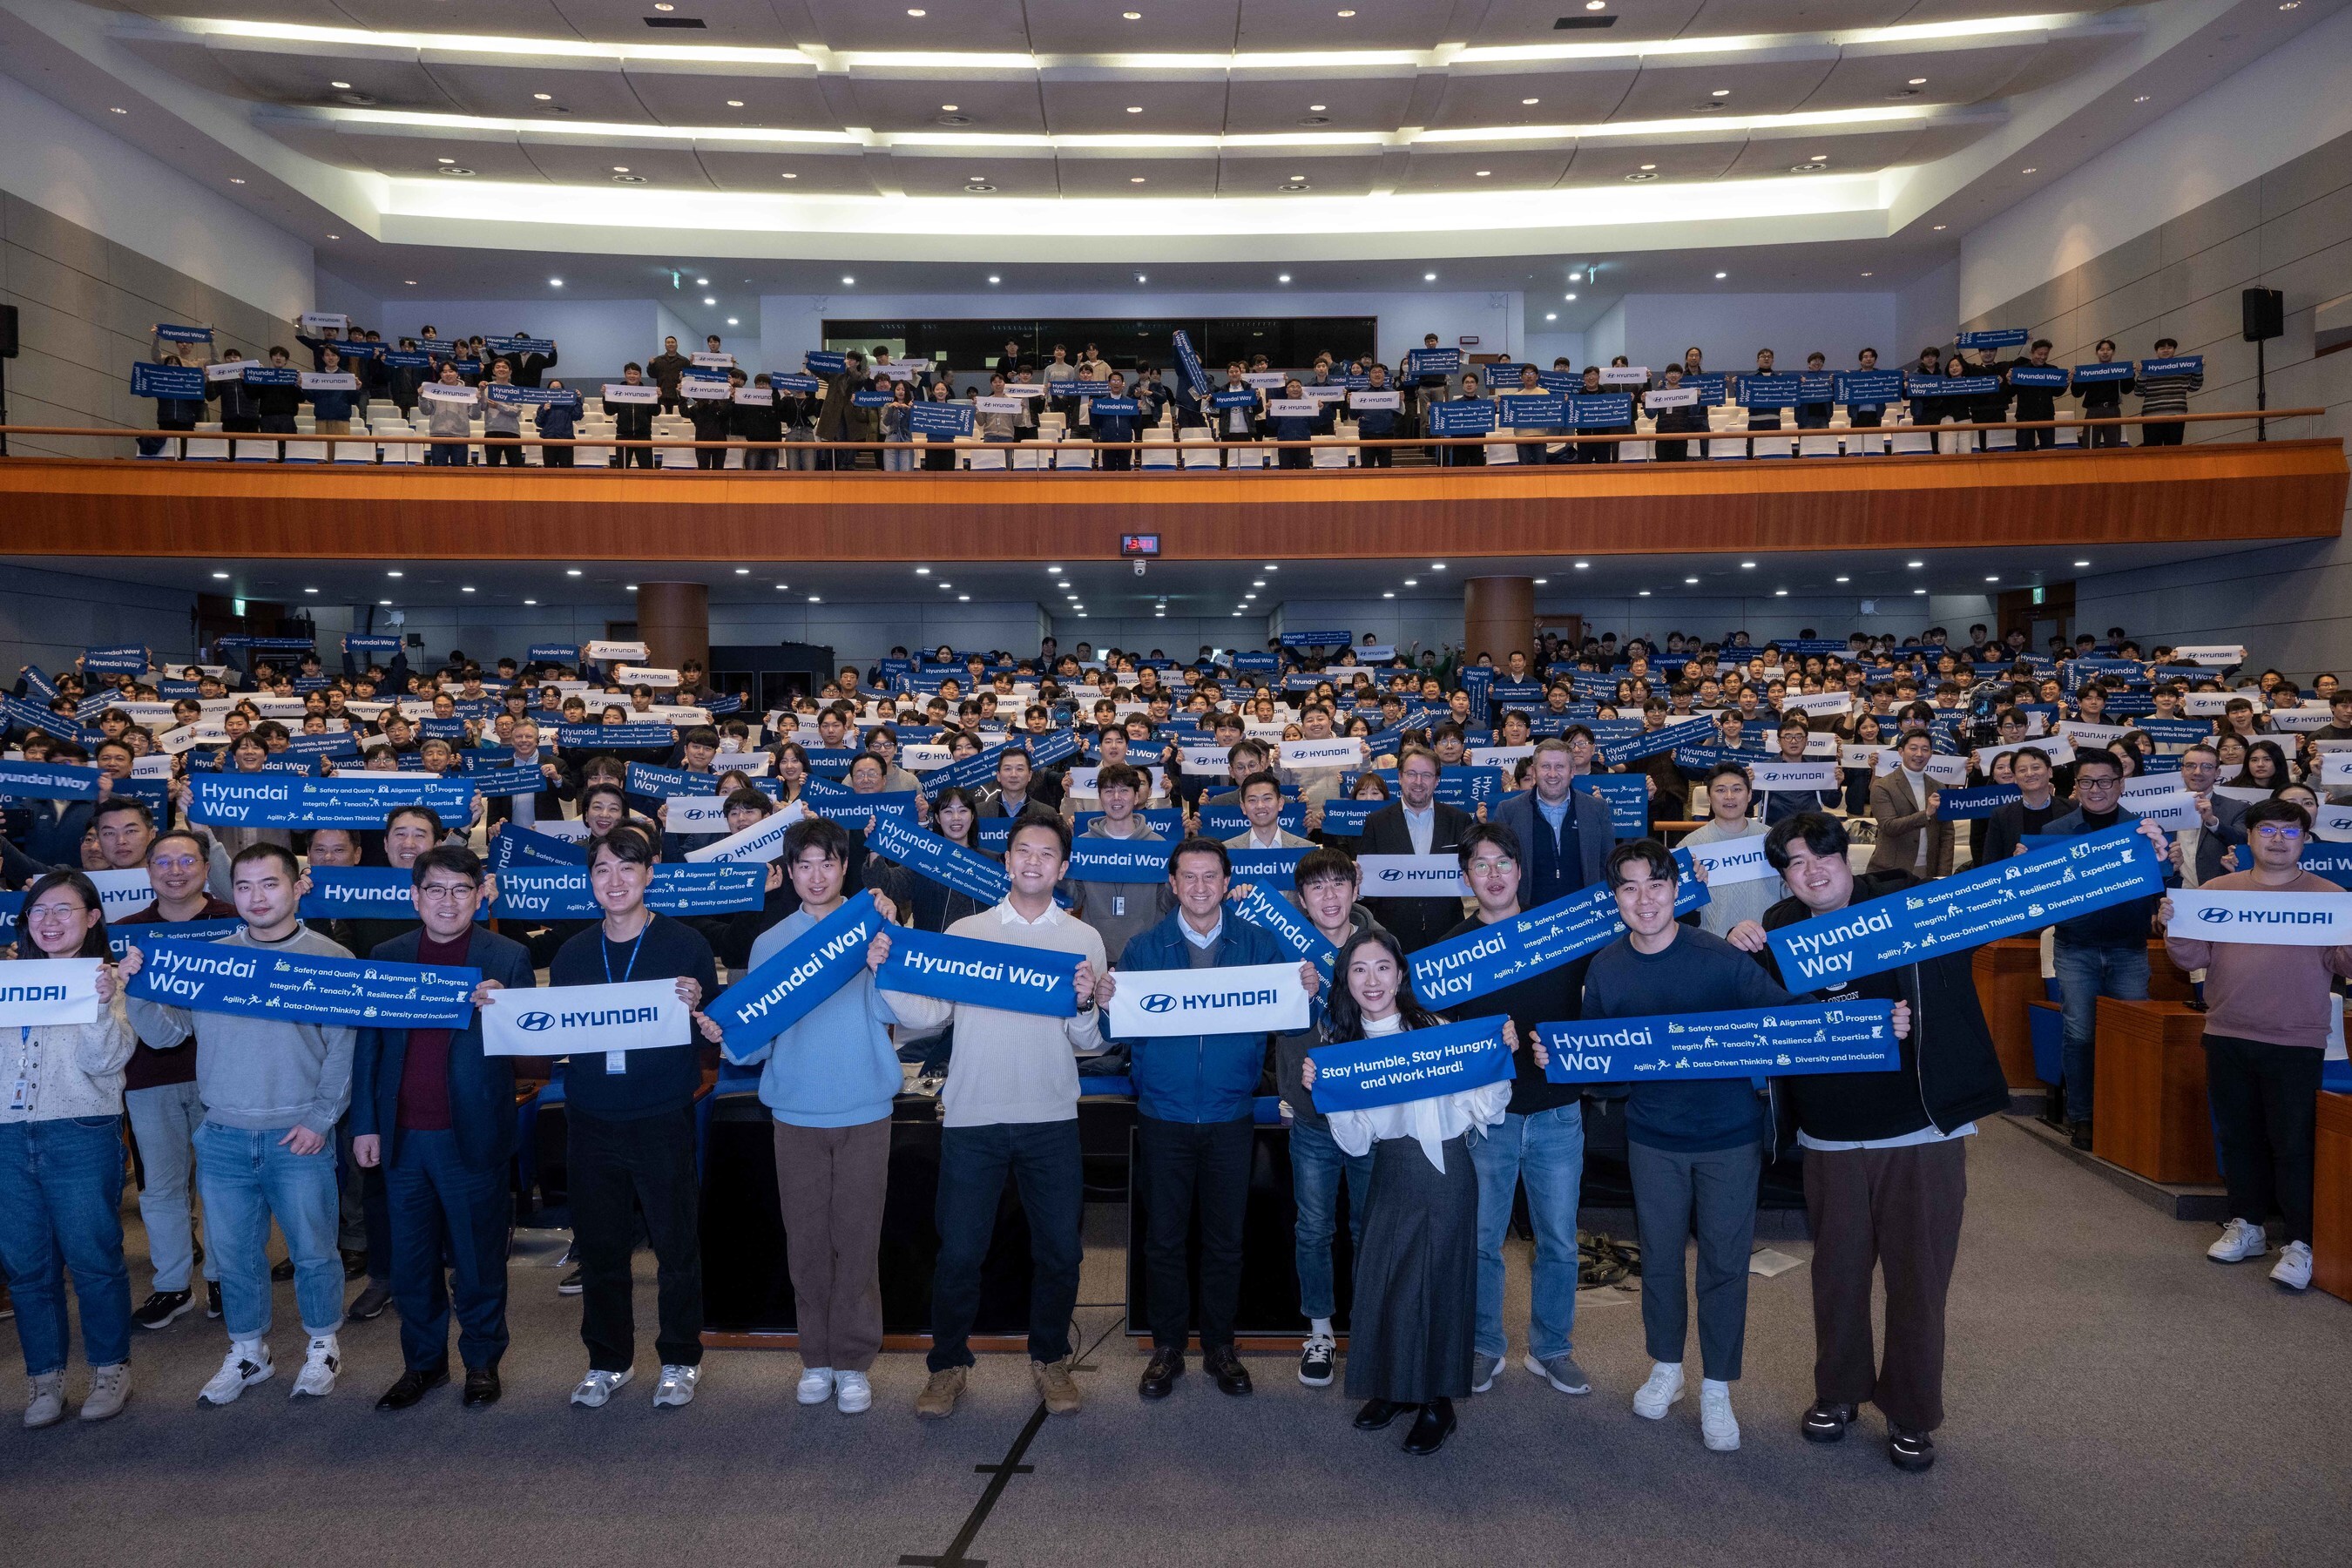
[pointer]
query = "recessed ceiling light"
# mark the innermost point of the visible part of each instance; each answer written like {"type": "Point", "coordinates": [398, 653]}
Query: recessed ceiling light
{"type": "Point", "coordinates": [1432, 277]}
{"type": "Point", "coordinates": [1140, 278]}
{"type": "Point", "coordinates": [1551, 315]}
{"type": "Point", "coordinates": [1846, 579]}
{"type": "Point", "coordinates": [2141, 98]}
{"type": "Point", "coordinates": [814, 600]}
{"type": "Point", "coordinates": [734, 103]}
{"type": "Point", "coordinates": [1343, 13]}
{"type": "Point", "coordinates": [342, 86]}
{"type": "Point", "coordinates": [1388, 596]}
{"type": "Point", "coordinates": [468, 589]}
{"type": "Point", "coordinates": [1918, 590]}
{"type": "Point", "coordinates": [1583, 565]}
{"type": "Point", "coordinates": [1644, 594]}
{"type": "Point", "coordinates": [1570, 298]}
{"type": "Point", "coordinates": [739, 571]}
{"type": "Point", "coordinates": [309, 590]}
{"type": "Point", "coordinates": [1915, 566]}
{"type": "Point", "coordinates": [444, 160]}
{"type": "Point", "coordinates": [1437, 566]}
{"type": "Point", "coordinates": [1271, 567]}
{"type": "Point", "coordinates": [2029, 171]}
{"type": "Point", "coordinates": [1135, 179]}
{"type": "Point", "coordinates": [791, 176]}
{"type": "Point", "coordinates": [1993, 579]}
{"type": "Point", "coordinates": [1939, 228]}
{"type": "Point", "coordinates": [734, 323]}
{"type": "Point", "coordinates": [1483, 173]}
{"type": "Point", "coordinates": [1412, 582]}
{"type": "Point", "coordinates": [632, 587]}
{"type": "Point", "coordinates": [544, 96]}
{"type": "Point", "coordinates": [664, 5]}
{"type": "Point", "coordinates": [1647, 167]}
{"type": "Point", "coordinates": [555, 282]}
{"type": "Point", "coordinates": [1284, 278]}
{"type": "Point", "coordinates": [1316, 107]}
{"type": "Point", "coordinates": [1692, 580]}
{"type": "Point", "coordinates": [1576, 277]}
{"type": "Point", "coordinates": [948, 108]}
{"type": "Point", "coordinates": [708, 299]}
{"type": "Point", "coordinates": [1819, 156]}
{"type": "Point", "coordinates": [780, 587]}
{"type": "Point", "coordinates": [393, 573]}
{"type": "Point", "coordinates": [220, 577]}
{"type": "Point", "coordinates": [1747, 566]}
{"type": "Point", "coordinates": [963, 598]}
{"type": "Point", "coordinates": [620, 168]}
{"type": "Point", "coordinates": [1866, 275]}
{"type": "Point", "coordinates": [2082, 563]}
{"type": "Point", "coordinates": [334, 237]}
{"type": "Point", "coordinates": [1531, 100]}
{"type": "Point", "coordinates": [572, 571]}
{"type": "Point", "coordinates": [1135, 108]}
{"type": "Point", "coordinates": [1542, 581]}
{"type": "Point", "coordinates": [236, 180]}
{"type": "Point", "coordinates": [1132, 16]}
{"type": "Point", "coordinates": [388, 601]}
{"type": "Point", "coordinates": [916, 11]}
{"type": "Point", "coordinates": [112, 109]}
{"type": "Point", "coordinates": [1596, 4]}
{"type": "Point", "coordinates": [530, 601]}
{"type": "Point", "coordinates": [1721, 274]}
{"type": "Point", "coordinates": [1918, 81]}
{"type": "Point", "coordinates": [922, 571]}
{"type": "Point", "coordinates": [1720, 92]}
{"type": "Point", "coordinates": [1780, 593]}
{"type": "Point", "coordinates": [849, 280]}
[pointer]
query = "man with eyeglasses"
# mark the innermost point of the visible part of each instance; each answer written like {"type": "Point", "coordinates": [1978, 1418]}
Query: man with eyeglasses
{"type": "Point", "coordinates": [2266, 1017]}
{"type": "Point", "coordinates": [436, 1116]}
{"type": "Point", "coordinates": [1541, 1142]}
{"type": "Point", "coordinates": [2104, 953]}
{"type": "Point", "coordinates": [159, 1092]}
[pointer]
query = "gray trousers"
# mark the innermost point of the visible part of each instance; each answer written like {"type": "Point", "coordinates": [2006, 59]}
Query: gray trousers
{"type": "Point", "coordinates": [1713, 1195]}
{"type": "Point", "coordinates": [163, 1120]}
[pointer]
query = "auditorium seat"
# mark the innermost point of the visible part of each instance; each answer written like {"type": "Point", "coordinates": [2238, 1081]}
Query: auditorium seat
{"type": "Point", "coordinates": [1198, 449]}
{"type": "Point", "coordinates": [1909, 441]}
{"type": "Point", "coordinates": [1331, 453]}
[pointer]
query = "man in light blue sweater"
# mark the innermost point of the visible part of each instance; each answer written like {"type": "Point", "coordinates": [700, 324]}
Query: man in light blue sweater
{"type": "Point", "coordinates": [830, 1080]}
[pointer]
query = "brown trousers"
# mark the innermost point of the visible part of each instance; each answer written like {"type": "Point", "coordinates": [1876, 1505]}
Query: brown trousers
{"type": "Point", "coordinates": [1898, 1211]}
{"type": "Point", "coordinates": [830, 1183]}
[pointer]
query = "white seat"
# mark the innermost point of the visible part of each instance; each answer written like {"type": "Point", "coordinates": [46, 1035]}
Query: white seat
{"type": "Point", "coordinates": [203, 449]}
{"type": "Point", "coordinates": [1159, 454]}
{"type": "Point", "coordinates": [1247, 454]}
{"type": "Point", "coordinates": [1202, 453]}
{"type": "Point", "coordinates": [249, 450]}
{"type": "Point", "coordinates": [2000, 440]}
{"type": "Point", "coordinates": [1955, 443]}
{"type": "Point", "coordinates": [1817, 443]}
{"type": "Point", "coordinates": [2067, 434]}
{"type": "Point", "coordinates": [1329, 452]}
{"type": "Point", "coordinates": [1721, 449]}
{"type": "Point", "coordinates": [354, 451]}
{"type": "Point", "coordinates": [1909, 441]}
{"type": "Point", "coordinates": [305, 452]}
{"type": "Point", "coordinates": [985, 456]}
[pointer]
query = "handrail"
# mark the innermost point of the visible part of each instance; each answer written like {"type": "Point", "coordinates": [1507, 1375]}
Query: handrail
{"type": "Point", "coordinates": [1493, 438]}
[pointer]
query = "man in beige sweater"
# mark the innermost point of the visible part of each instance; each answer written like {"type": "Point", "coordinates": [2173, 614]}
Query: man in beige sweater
{"type": "Point", "coordinates": [2266, 1026]}
{"type": "Point", "coordinates": [1009, 1107]}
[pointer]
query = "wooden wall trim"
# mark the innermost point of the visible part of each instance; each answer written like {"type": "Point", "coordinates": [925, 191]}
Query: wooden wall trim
{"type": "Point", "coordinates": [2215, 491]}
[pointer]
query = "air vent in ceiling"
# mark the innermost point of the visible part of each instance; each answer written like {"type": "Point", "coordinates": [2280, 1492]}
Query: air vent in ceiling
{"type": "Point", "coordinates": [1582, 24]}
{"type": "Point", "coordinates": [676, 22]}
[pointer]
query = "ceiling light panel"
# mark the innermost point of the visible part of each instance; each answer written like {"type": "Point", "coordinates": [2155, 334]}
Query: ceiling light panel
{"type": "Point", "coordinates": [1093, 106]}
{"type": "Point", "coordinates": [1449, 168]}
{"type": "Point", "coordinates": [981, 26]}
{"type": "Point", "coordinates": [1776, 82]}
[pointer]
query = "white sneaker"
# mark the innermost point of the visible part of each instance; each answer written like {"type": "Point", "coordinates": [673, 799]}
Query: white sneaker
{"type": "Point", "coordinates": [817, 1385]}
{"type": "Point", "coordinates": [46, 1406]}
{"type": "Point", "coordinates": [2241, 1240]}
{"type": "Point", "coordinates": [1655, 1397]}
{"type": "Point", "coordinates": [856, 1393]}
{"type": "Point", "coordinates": [110, 1391]}
{"type": "Point", "coordinates": [599, 1386]}
{"type": "Point", "coordinates": [676, 1387]}
{"type": "Point", "coordinates": [246, 1364]}
{"type": "Point", "coordinates": [319, 1366]}
{"type": "Point", "coordinates": [1715, 1422]}
{"type": "Point", "coordinates": [2293, 1269]}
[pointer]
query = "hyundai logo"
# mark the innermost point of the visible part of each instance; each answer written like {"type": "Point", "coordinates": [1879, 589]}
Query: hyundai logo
{"type": "Point", "coordinates": [535, 1022]}
{"type": "Point", "coordinates": [1159, 1002]}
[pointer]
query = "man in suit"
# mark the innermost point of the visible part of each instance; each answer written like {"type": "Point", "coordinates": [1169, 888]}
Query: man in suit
{"type": "Point", "coordinates": [545, 804]}
{"type": "Point", "coordinates": [1910, 839]}
{"type": "Point", "coordinates": [1416, 823]}
{"type": "Point", "coordinates": [438, 1115]}
{"type": "Point", "coordinates": [1565, 831]}
{"type": "Point", "coordinates": [2222, 822]}
{"type": "Point", "coordinates": [2037, 805]}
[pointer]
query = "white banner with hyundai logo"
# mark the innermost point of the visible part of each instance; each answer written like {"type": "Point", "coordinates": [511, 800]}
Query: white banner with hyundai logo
{"type": "Point", "coordinates": [579, 1021]}
{"type": "Point", "coordinates": [1239, 1001]}
{"type": "Point", "coordinates": [1411, 876]}
{"type": "Point", "coordinates": [2267, 920]}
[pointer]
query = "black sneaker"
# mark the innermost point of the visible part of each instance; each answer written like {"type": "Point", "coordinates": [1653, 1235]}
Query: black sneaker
{"type": "Point", "coordinates": [1910, 1450]}
{"type": "Point", "coordinates": [1317, 1360]}
{"type": "Point", "coordinates": [282, 1271]}
{"type": "Point", "coordinates": [2078, 1133]}
{"type": "Point", "coordinates": [354, 1266]}
{"type": "Point", "coordinates": [212, 1299]}
{"type": "Point", "coordinates": [163, 1306]}
{"type": "Point", "coordinates": [1826, 1422]}
{"type": "Point", "coordinates": [569, 1284]}
{"type": "Point", "coordinates": [369, 1303]}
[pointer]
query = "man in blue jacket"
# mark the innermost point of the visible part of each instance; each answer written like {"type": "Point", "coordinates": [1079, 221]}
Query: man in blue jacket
{"type": "Point", "coordinates": [439, 1117]}
{"type": "Point", "coordinates": [1197, 1098]}
{"type": "Point", "coordinates": [1566, 832]}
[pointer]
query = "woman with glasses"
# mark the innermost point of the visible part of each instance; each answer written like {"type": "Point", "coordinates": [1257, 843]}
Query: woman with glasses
{"type": "Point", "coordinates": [61, 1165]}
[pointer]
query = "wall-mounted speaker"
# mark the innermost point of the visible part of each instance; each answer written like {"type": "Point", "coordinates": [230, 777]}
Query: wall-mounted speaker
{"type": "Point", "coordinates": [2264, 310]}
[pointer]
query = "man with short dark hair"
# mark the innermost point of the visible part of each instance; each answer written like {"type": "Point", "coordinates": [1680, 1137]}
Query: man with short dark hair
{"type": "Point", "coordinates": [1416, 823]}
{"type": "Point", "coordinates": [630, 1120]}
{"type": "Point", "coordinates": [273, 1091]}
{"type": "Point", "coordinates": [436, 1115]}
{"type": "Point", "coordinates": [1196, 1096]}
{"type": "Point", "coordinates": [2166, 393]}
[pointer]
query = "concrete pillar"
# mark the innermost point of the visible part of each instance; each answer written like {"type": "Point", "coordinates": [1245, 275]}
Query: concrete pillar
{"type": "Point", "coordinates": [1498, 615]}
{"type": "Point", "coordinates": [674, 623]}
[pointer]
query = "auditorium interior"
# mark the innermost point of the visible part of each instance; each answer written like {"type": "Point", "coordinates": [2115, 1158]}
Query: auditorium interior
{"type": "Point", "coordinates": [1461, 384]}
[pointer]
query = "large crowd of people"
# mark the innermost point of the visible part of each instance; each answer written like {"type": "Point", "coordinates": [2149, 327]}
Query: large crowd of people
{"type": "Point", "coordinates": [494, 401]}
{"type": "Point", "coordinates": [948, 791]}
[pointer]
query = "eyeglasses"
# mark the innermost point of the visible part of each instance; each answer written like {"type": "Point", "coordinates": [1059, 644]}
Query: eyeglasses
{"type": "Point", "coordinates": [447, 892]}
{"type": "Point", "coordinates": [2279, 831]}
{"type": "Point", "coordinates": [1488, 865]}
{"type": "Point", "coordinates": [174, 863]}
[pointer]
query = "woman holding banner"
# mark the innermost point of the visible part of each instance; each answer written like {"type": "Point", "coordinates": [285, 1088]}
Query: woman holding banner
{"type": "Point", "coordinates": [1412, 1338]}
{"type": "Point", "coordinates": [62, 1167]}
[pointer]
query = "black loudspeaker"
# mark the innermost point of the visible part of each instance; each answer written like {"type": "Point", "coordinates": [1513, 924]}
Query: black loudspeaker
{"type": "Point", "coordinates": [2265, 314]}
{"type": "Point", "coordinates": [7, 331]}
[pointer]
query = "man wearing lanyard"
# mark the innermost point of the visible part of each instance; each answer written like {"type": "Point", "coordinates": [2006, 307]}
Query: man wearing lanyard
{"type": "Point", "coordinates": [631, 1120]}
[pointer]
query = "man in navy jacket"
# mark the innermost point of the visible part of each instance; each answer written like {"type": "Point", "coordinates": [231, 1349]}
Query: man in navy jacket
{"type": "Point", "coordinates": [1566, 853]}
{"type": "Point", "coordinates": [439, 1116]}
{"type": "Point", "coordinates": [1197, 1096]}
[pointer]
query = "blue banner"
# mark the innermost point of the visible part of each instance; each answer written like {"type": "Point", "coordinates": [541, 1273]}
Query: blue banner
{"type": "Point", "coordinates": [310, 748]}
{"type": "Point", "coordinates": [1468, 416]}
{"type": "Point", "coordinates": [1415, 1063]}
{"type": "Point", "coordinates": [1315, 639]}
{"type": "Point", "coordinates": [1227, 821]}
{"type": "Point", "coordinates": [504, 781]}
{"type": "Point", "coordinates": [184, 382]}
{"type": "Point", "coordinates": [46, 690]}
{"type": "Point", "coordinates": [356, 642]}
{"type": "Point", "coordinates": [1432, 362]}
{"type": "Point", "coordinates": [1816, 387]}
{"type": "Point", "coordinates": [530, 396]}
{"type": "Point", "coordinates": [950, 864]}
{"type": "Point", "coordinates": [1233, 397]}
{"type": "Point", "coordinates": [130, 660]}
{"type": "Point", "coordinates": [1665, 738]}
{"type": "Point", "coordinates": [207, 977]}
{"type": "Point", "coordinates": [1508, 950]}
{"type": "Point", "coordinates": [1869, 388]}
{"type": "Point", "coordinates": [1992, 338]}
{"type": "Point", "coordinates": [870, 398]}
{"type": "Point", "coordinates": [2050, 376]}
{"type": "Point", "coordinates": [1275, 914]}
{"type": "Point", "coordinates": [824, 362]}
{"type": "Point", "coordinates": [1189, 358]}
{"type": "Point", "coordinates": [1097, 859]}
{"type": "Point", "coordinates": [1605, 412]}
{"type": "Point", "coordinates": [1267, 867]}
{"type": "Point", "coordinates": [667, 784]}
{"type": "Point", "coordinates": [1978, 906]}
{"type": "Point", "coordinates": [364, 893]}
{"type": "Point", "coordinates": [1532, 411]}
{"type": "Point", "coordinates": [2089, 375]}
{"type": "Point", "coordinates": [941, 419]}
{"type": "Point", "coordinates": [47, 781]}
{"type": "Point", "coordinates": [354, 800]}
{"type": "Point", "coordinates": [1954, 386]}
{"type": "Point", "coordinates": [171, 335]}
{"type": "Point", "coordinates": [511, 846]}
{"type": "Point", "coordinates": [519, 345]}
{"type": "Point", "coordinates": [563, 894]}
{"type": "Point", "coordinates": [808, 968]}
{"type": "Point", "coordinates": [272, 376]}
{"type": "Point", "coordinates": [552, 653]}
{"type": "Point", "coordinates": [1250, 661]}
{"type": "Point", "coordinates": [799, 385]}
{"type": "Point", "coordinates": [1764, 1042]}
{"type": "Point", "coordinates": [1345, 818]}
{"type": "Point", "coordinates": [637, 737]}
{"type": "Point", "coordinates": [146, 934]}
{"type": "Point", "coordinates": [963, 970]}
{"type": "Point", "coordinates": [2180, 364]}
{"type": "Point", "coordinates": [1768, 391]}
{"type": "Point", "coordinates": [406, 359]}
{"type": "Point", "coordinates": [1114, 408]}
{"type": "Point", "coordinates": [1968, 805]}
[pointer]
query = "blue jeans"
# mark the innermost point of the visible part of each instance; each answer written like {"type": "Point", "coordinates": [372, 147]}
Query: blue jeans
{"type": "Point", "coordinates": [2085, 975]}
{"type": "Point", "coordinates": [60, 1200]}
{"type": "Point", "coordinates": [164, 1120]}
{"type": "Point", "coordinates": [1315, 1165]}
{"type": "Point", "coordinates": [1546, 1151]}
{"type": "Point", "coordinates": [433, 1194]}
{"type": "Point", "coordinates": [246, 1179]}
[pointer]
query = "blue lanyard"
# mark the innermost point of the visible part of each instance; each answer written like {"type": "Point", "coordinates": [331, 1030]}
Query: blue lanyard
{"type": "Point", "coordinates": [605, 950]}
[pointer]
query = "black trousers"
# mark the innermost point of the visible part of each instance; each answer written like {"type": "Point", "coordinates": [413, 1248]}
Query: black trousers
{"type": "Point", "coordinates": [1377, 457]}
{"type": "Point", "coordinates": [1115, 459]}
{"type": "Point", "coordinates": [1895, 1213]}
{"type": "Point", "coordinates": [560, 456]}
{"type": "Point", "coordinates": [2164, 434]}
{"type": "Point", "coordinates": [711, 457]}
{"type": "Point", "coordinates": [1187, 1164]}
{"type": "Point", "coordinates": [1864, 418]}
{"type": "Point", "coordinates": [2265, 1114]}
{"type": "Point", "coordinates": [500, 447]}
{"type": "Point", "coordinates": [1043, 1159]}
{"type": "Point", "coordinates": [634, 457]}
{"type": "Point", "coordinates": [619, 1170]}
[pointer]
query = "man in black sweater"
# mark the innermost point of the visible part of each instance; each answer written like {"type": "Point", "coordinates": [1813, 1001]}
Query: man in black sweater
{"type": "Point", "coordinates": [2038, 804]}
{"type": "Point", "coordinates": [2035, 402]}
{"type": "Point", "coordinates": [630, 1117]}
{"type": "Point", "coordinates": [1540, 1141]}
{"type": "Point", "coordinates": [1886, 1160]}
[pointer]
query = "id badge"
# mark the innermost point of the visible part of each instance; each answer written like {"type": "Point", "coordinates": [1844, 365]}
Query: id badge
{"type": "Point", "coordinates": [21, 1097]}
{"type": "Point", "coordinates": [617, 1061]}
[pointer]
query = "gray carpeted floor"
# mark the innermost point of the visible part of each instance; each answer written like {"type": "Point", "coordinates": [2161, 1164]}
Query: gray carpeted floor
{"type": "Point", "coordinates": [2113, 1398]}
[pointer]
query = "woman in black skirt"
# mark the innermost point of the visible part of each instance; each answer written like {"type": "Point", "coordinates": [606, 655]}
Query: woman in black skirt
{"type": "Point", "coordinates": [1409, 1335]}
